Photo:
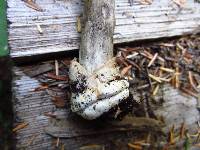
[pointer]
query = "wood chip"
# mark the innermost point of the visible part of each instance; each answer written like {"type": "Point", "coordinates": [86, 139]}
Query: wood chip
{"type": "Point", "coordinates": [20, 126]}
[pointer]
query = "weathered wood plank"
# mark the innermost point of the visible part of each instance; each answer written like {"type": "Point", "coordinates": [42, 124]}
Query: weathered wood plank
{"type": "Point", "coordinates": [58, 22]}
{"type": "Point", "coordinates": [30, 106]}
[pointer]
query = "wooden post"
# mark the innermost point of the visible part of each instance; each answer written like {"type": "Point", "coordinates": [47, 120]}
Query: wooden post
{"type": "Point", "coordinates": [97, 33]}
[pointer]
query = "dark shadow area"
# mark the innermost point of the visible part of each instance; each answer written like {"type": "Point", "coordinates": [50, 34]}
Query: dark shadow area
{"type": "Point", "coordinates": [6, 112]}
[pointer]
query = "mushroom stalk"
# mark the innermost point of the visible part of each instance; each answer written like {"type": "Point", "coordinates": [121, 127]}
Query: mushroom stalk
{"type": "Point", "coordinates": [98, 85]}
{"type": "Point", "coordinates": [97, 33]}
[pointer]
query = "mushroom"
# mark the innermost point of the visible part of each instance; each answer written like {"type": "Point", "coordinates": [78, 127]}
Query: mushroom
{"type": "Point", "coordinates": [98, 84]}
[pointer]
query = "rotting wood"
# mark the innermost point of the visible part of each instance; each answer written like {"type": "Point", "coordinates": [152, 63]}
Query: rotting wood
{"type": "Point", "coordinates": [58, 20]}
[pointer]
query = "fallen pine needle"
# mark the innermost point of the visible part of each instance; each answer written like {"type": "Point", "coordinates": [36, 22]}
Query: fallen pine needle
{"type": "Point", "coordinates": [134, 146]}
{"type": "Point", "coordinates": [191, 80]}
{"type": "Point", "coordinates": [125, 70]}
{"type": "Point", "coordinates": [189, 92]}
{"type": "Point", "coordinates": [78, 25]}
{"type": "Point", "coordinates": [171, 136]}
{"type": "Point", "coordinates": [20, 126]}
{"type": "Point", "coordinates": [58, 142]}
{"type": "Point", "coordinates": [165, 79]}
{"type": "Point", "coordinates": [182, 130]}
{"type": "Point", "coordinates": [33, 5]}
{"type": "Point", "coordinates": [155, 78]}
{"type": "Point", "coordinates": [177, 82]}
{"type": "Point", "coordinates": [153, 59]}
{"type": "Point", "coordinates": [155, 91]}
{"type": "Point", "coordinates": [56, 67]}
{"type": "Point", "coordinates": [132, 55]}
{"type": "Point", "coordinates": [167, 69]}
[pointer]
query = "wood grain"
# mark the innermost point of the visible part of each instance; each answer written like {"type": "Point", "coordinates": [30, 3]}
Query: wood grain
{"type": "Point", "coordinates": [58, 20]}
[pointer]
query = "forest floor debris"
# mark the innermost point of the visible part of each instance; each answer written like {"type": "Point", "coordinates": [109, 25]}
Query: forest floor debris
{"type": "Point", "coordinates": [148, 67]}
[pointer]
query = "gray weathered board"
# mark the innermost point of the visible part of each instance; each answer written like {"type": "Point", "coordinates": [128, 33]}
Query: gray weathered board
{"type": "Point", "coordinates": [163, 18]}
{"type": "Point", "coordinates": [30, 106]}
